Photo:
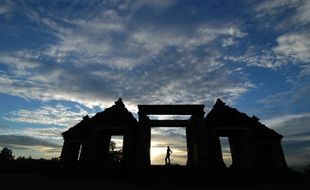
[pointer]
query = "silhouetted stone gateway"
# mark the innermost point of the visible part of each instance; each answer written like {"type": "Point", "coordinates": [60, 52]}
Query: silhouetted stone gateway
{"type": "Point", "coordinates": [253, 145]}
{"type": "Point", "coordinates": [196, 144]}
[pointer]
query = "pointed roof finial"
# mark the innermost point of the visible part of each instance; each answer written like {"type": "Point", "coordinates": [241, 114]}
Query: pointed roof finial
{"type": "Point", "coordinates": [119, 102]}
{"type": "Point", "coordinates": [219, 102]}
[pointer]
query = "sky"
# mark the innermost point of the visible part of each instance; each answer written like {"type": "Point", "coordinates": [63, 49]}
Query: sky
{"type": "Point", "coordinates": [62, 60]}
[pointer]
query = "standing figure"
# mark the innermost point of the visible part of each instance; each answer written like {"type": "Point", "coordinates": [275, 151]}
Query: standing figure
{"type": "Point", "coordinates": [167, 158]}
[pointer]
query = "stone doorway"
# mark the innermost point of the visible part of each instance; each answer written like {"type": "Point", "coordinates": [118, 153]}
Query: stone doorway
{"type": "Point", "coordinates": [175, 137]}
{"type": "Point", "coordinates": [194, 127]}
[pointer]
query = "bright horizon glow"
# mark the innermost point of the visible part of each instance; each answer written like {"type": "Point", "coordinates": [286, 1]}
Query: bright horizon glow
{"type": "Point", "coordinates": [160, 141]}
{"type": "Point", "coordinates": [226, 153]}
{"type": "Point", "coordinates": [118, 139]}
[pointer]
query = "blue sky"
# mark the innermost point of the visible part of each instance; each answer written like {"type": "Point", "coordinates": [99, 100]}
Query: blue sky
{"type": "Point", "coordinates": [61, 60]}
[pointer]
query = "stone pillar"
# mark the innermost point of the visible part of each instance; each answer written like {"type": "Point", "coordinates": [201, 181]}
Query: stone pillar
{"type": "Point", "coordinates": [202, 140]}
{"type": "Point", "coordinates": [214, 151]}
{"type": "Point", "coordinates": [280, 156]}
{"type": "Point", "coordinates": [102, 149]}
{"type": "Point", "coordinates": [143, 142]}
{"type": "Point", "coordinates": [276, 160]}
{"type": "Point", "coordinates": [191, 141]}
{"type": "Point", "coordinates": [70, 153]}
{"type": "Point", "coordinates": [65, 152]}
{"type": "Point", "coordinates": [128, 151]}
{"type": "Point", "coordinates": [237, 147]}
{"type": "Point", "coordinates": [90, 154]}
{"type": "Point", "coordinates": [252, 152]}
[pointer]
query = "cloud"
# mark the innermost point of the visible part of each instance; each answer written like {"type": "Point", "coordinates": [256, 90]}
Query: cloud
{"type": "Point", "coordinates": [303, 13]}
{"type": "Point", "coordinates": [254, 57]}
{"type": "Point", "coordinates": [98, 38]}
{"type": "Point", "coordinates": [305, 70]}
{"type": "Point", "coordinates": [295, 129]}
{"type": "Point", "coordinates": [285, 15]}
{"type": "Point", "coordinates": [4, 9]}
{"type": "Point", "coordinates": [288, 40]}
{"type": "Point", "coordinates": [289, 18]}
{"type": "Point", "coordinates": [40, 80]}
{"type": "Point", "coordinates": [275, 7]}
{"type": "Point", "coordinates": [32, 141]}
{"type": "Point", "coordinates": [155, 40]}
{"type": "Point", "coordinates": [288, 100]}
{"type": "Point", "coordinates": [47, 115]}
{"type": "Point", "coordinates": [166, 68]}
{"type": "Point", "coordinates": [279, 121]}
{"type": "Point", "coordinates": [29, 146]}
{"type": "Point", "coordinates": [45, 133]}
{"type": "Point", "coordinates": [97, 56]}
{"type": "Point", "coordinates": [294, 45]}
{"type": "Point", "coordinates": [21, 141]}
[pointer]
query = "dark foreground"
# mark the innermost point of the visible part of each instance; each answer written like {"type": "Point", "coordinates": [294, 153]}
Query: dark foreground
{"type": "Point", "coordinates": [158, 178]}
{"type": "Point", "coordinates": [47, 182]}
{"type": "Point", "coordinates": [50, 176]}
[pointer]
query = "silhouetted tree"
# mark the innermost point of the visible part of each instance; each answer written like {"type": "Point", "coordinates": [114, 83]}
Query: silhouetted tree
{"type": "Point", "coordinates": [56, 159]}
{"type": "Point", "coordinates": [6, 154]}
{"type": "Point", "coordinates": [112, 146]}
{"type": "Point", "coordinates": [115, 156]}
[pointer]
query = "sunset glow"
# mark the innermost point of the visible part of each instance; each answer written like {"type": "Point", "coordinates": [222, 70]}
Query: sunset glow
{"type": "Point", "coordinates": [163, 137]}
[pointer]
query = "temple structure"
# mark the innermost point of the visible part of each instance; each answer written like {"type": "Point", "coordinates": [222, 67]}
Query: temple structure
{"type": "Point", "coordinates": [253, 145]}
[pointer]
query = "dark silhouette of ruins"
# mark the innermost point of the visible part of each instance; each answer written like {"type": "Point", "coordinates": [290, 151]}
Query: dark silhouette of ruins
{"type": "Point", "coordinates": [253, 145]}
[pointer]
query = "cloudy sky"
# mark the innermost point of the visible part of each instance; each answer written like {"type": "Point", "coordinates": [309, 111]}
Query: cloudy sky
{"type": "Point", "coordinates": [61, 60]}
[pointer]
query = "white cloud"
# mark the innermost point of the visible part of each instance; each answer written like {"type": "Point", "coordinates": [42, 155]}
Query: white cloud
{"type": "Point", "coordinates": [259, 58]}
{"type": "Point", "coordinates": [302, 15]}
{"type": "Point", "coordinates": [294, 45]}
{"type": "Point", "coordinates": [88, 41]}
{"type": "Point", "coordinates": [287, 14]}
{"type": "Point", "coordinates": [131, 61]}
{"type": "Point", "coordinates": [156, 76]}
{"type": "Point", "coordinates": [273, 7]}
{"type": "Point", "coordinates": [20, 62]}
{"type": "Point", "coordinates": [156, 40]}
{"type": "Point", "coordinates": [280, 121]}
{"type": "Point", "coordinates": [47, 115]}
{"type": "Point", "coordinates": [228, 42]}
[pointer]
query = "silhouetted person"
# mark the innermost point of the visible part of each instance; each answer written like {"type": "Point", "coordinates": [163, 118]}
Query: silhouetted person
{"type": "Point", "coordinates": [167, 158]}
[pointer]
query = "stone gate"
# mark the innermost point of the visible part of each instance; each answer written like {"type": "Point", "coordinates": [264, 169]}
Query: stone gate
{"type": "Point", "coordinates": [253, 145]}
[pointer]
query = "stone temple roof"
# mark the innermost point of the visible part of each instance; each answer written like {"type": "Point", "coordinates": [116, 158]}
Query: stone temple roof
{"type": "Point", "coordinates": [114, 116]}
{"type": "Point", "coordinates": [79, 131]}
{"type": "Point", "coordinates": [223, 116]}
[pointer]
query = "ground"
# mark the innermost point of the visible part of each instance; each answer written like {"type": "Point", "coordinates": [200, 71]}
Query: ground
{"type": "Point", "coordinates": [47, 182]}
